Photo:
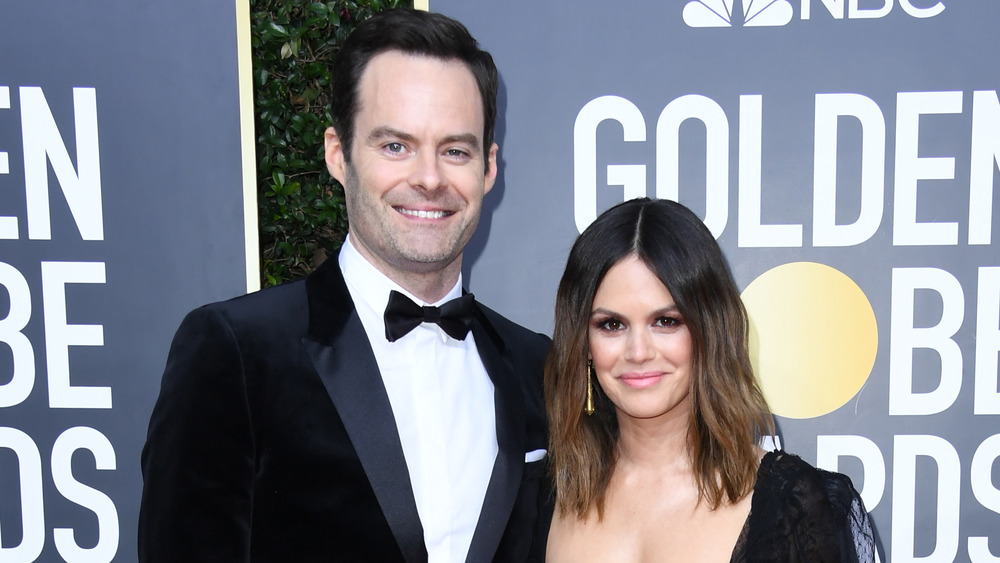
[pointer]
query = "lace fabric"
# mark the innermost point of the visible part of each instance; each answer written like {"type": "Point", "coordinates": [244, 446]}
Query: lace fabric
{"type": "Point", "coordinates": [803, 514]}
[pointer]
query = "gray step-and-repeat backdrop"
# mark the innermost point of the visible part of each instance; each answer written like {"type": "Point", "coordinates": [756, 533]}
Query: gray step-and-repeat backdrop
{"type": "Point", "coordinates": [845, 154]}
{"type": "Point", "coordinates": [122, 176]}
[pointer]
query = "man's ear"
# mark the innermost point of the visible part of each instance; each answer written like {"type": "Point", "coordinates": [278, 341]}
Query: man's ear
{"type": "Point", "coordinates": [491, 169]}
{"type": "Point", "coordinates": [336, 162]}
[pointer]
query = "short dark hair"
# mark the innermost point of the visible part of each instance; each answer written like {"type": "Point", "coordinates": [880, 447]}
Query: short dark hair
{"type": "Point", "coordinates": [413, 32]}
{"type": "Point", "coordinates": [728, 412]}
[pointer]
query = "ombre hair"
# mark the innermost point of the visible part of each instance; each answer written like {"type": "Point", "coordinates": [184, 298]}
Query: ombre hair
{"type": "Point", "coordinates": [729, 415]}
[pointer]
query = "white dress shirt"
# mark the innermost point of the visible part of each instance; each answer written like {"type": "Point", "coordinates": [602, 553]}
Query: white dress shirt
{"type": "Point", "coordinates": [442, 400]}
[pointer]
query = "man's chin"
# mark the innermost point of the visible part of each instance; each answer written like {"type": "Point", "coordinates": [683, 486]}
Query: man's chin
{"type": "Point", "coordinates": [423, 259]}
{"type": "Point", "coordinates": [431, 261]}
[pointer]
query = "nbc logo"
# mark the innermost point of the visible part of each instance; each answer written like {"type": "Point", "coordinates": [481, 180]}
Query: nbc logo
{"type": "Point", "coordinates": [730, 13]}
{"type": "Point", "coordinates": [774, 13]}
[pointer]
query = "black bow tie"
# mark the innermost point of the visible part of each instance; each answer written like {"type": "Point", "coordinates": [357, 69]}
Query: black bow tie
{"type": "Point", "coordinates": [403, 315]}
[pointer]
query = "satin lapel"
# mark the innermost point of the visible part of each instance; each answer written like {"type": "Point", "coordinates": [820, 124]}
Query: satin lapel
{"type": "Point", "coordinates": [346, 364]}
{"type": "Point", "coordinates": [509, 465]}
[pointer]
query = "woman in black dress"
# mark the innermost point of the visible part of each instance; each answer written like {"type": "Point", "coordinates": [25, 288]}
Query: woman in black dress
{"type": "Point", "coordinates": [655, 414]}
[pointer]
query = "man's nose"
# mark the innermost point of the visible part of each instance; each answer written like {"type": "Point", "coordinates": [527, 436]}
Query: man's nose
{"type": "Point", "coordinates": [427, 173]}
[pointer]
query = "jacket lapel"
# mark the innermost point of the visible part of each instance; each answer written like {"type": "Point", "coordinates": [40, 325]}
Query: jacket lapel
{"type": "Point", "coordinates": [510, 421]}
{"type": "Point", "coordinates": [344, 360]}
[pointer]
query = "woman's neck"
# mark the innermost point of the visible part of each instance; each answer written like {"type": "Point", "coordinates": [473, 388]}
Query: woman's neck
{"type": "Point", "coordinates": [655, 442]}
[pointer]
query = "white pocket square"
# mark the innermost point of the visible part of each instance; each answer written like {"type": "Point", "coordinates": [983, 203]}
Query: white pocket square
{"type": "Point", "coordinates": [534, 455]}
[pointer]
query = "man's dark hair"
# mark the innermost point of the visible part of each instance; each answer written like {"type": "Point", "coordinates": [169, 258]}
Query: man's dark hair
{"type": "Point", "coordinates": [413, 32]}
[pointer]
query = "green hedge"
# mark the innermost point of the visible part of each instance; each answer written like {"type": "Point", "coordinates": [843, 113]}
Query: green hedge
{"type": "Point", "coordinates": [301, 208]}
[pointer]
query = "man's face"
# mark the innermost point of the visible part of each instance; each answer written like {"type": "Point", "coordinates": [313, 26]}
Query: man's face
{"type": "Point", "coordinates": [418, 172]}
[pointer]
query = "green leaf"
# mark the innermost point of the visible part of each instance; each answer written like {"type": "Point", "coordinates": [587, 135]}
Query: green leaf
{"type": "Point", "coordinates": [293, 47]}
{"type": "Point", "coordinates": [277, 30]}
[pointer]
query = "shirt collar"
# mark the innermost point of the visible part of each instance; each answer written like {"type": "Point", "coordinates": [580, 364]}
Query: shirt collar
{"type": "Point", "coordinates": [372, 286]}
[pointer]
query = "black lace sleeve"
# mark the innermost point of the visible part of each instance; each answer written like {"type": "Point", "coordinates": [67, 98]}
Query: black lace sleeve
{"type": "Point", "coordinates": [803, 514]}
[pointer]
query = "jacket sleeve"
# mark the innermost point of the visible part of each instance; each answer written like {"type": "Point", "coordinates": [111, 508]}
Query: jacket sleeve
{"type": "Point", "coordinates": [198, 460]}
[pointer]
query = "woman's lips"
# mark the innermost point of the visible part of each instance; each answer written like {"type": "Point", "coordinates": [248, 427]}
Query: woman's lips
{"type": "Point", "coordinates": [641, 380]}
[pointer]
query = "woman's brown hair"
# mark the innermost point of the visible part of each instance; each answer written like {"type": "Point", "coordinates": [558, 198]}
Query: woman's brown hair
{"type": "Point", "coordinates": [728, 415]}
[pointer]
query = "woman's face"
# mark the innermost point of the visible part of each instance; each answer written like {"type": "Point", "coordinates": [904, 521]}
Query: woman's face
{"type": "Point", "coordinates": [639, 343]}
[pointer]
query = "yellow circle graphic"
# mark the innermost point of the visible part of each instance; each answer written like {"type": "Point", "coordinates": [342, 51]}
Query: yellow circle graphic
{"type": "Point", "coordinates": [813, 338]}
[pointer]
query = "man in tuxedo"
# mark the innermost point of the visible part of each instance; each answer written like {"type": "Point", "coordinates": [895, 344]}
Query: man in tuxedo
{"type": "Point", "coordinates": [373, 411]}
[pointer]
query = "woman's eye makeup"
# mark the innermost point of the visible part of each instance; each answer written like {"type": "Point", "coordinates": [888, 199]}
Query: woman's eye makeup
{"type": "Point", "coordinates": [613, 324]}
{"type": "Point", "coordinates": [669, 321]}
{"type": "Point", "coordinates": [609, 324]}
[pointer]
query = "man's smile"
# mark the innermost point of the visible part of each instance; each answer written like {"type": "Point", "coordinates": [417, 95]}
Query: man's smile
{"type": "Point", "coordinates": [423, 213]}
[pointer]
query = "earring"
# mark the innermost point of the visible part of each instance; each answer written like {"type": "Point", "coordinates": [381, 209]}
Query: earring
{"type": "Point", "coordinates": [588, 406]}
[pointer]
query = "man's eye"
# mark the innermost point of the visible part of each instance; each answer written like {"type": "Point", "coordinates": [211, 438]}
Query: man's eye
{"type": "Point", "coordinates": [456, 153]}
{"type": "Point", "coordinates": [394, 147]}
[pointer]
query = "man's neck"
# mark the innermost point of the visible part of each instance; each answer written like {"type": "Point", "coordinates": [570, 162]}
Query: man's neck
{"type": "Point", "coordinates": [429, 284]}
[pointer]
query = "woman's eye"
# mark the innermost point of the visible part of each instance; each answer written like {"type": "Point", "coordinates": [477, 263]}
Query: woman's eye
{"type": "Point", "coordinates": [668, 322]}
{"type": "Point", "coordinates": [611, 325]}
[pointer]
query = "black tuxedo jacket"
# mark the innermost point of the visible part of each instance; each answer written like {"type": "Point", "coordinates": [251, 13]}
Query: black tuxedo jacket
{"type": "Point", "coordinates": [273, 438]}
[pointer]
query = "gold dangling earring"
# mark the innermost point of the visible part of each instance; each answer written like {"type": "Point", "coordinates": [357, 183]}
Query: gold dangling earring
{"type": "Point", "coordinates": [588, 406]}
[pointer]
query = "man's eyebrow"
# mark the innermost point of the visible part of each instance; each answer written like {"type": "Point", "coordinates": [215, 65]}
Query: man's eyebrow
{"type": "Point", "coordinates": [465, 138]}
{"type": "Point", "coordinates": [386, 132]}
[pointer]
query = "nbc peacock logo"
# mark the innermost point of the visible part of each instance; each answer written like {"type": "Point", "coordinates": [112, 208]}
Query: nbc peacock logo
{"type": "Point", "coordinates": [777, 13]}
{"type": "Point", "coordinates": [737, 13]}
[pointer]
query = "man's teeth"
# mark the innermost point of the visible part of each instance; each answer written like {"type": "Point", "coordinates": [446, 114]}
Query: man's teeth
{"type": "Point", "coordinates": [422, 213]}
